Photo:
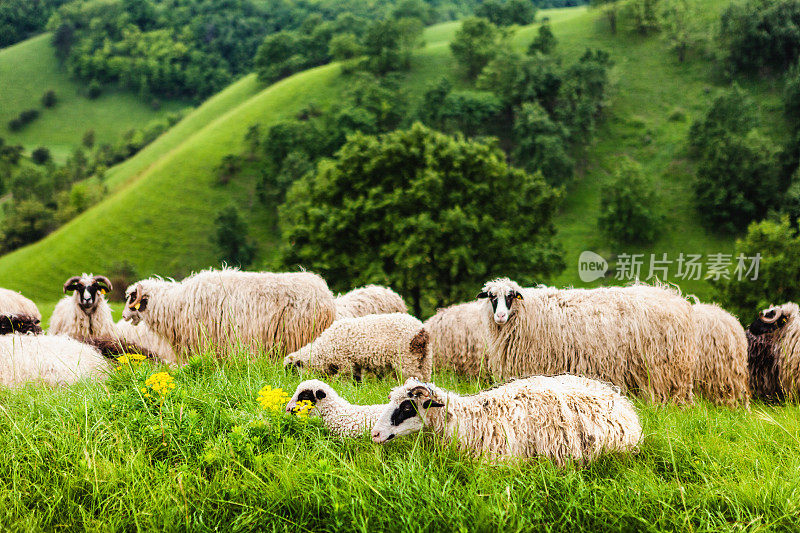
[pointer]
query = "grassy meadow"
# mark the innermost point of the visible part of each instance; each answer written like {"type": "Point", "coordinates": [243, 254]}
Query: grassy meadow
{"type": "Point", "coordinates": [106, 456]}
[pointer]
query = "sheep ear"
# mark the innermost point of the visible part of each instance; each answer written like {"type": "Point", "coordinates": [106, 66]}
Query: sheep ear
{"type": "Point", "coordinates": [427, 404]}
{"type": "Point", "coordinates": [482, 294]}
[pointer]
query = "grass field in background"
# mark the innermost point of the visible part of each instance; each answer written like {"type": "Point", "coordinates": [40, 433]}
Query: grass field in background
{"type": "Point", "coordinates": [102, 456]}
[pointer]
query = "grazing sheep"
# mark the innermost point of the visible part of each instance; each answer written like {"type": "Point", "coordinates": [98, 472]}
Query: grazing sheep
{"type": "Point", "coordinates": [19, 324]}
{"type": "Point", "coordinates": [562, 417]}
{"type": "Point", "coordinates": [640, 337]}
{"type": "Point", "coordinates": [774, 353]}
{"type": "Point", "coordinates": [369, 300]}
{"type": "Point", "coordinates": [85, 314]}
{"type": "Point", "coordinates": [720, 370]}
{"type": "Point", "coordinates": [377, 344]}
{"type": "Point", "coordinates": [14, 303]}
{"type": "Point", "coordinates": [145, 339]}
{"type": "Point", "coordinates": [260, 309]}
{"type": "Point", "coordinates": [338, 415]}
{"type": "Point", "coordinates": [459, 339]}
{"type": "Point", "coordinates": [51, 359]}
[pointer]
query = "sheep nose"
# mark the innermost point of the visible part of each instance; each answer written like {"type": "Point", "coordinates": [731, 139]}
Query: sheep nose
{"type": "Point", "coordinates": [290, 407]}
{"type": "Point", "coordinates": [376, 436]}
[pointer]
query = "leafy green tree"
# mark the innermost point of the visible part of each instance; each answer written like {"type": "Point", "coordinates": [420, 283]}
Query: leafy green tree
{"type": "Point", "coordinates": [582, 95]}
{"type": "Point", "coordinates": [468, 112]}
{"type": "Point", "coordinates": [791, 98]}
{"type": "Point", "coordinates": [681, 27]}
{"type": "Point", "coordinates": [777, 244]}
{"type": "Point", "coordinates": [610, 10]}
{"type": "Point", "coordinates": [40, 155]}
{"type": "Point", "coordinates": [628, 213]}
{"type": "Point", "coordinates": [80, 197]}
{"type": "Point", "coordinates": [507, 12]}
{"type": "Point", "coordinates": [643, 15]}
{"type": "Point", "coordinates": [49, 98]}
{"type": "Point", "coordinates": [732, 112]}
{"type": "Point", "coordinates": [231, 238]}
{"type": "Point", "coordinates": [475, 44]}
{"type": "Point", "coordinates": [541, 144]}
{"type": "Point", "coordinates": [544, 42]}
{"type": "Point", "coordinates": [88, 139]}
{"type": "Point", "coordinates": [432, 215]}
{"type": "Point", "coordinates": [388, 44]}
{"type": "Point", "coordinates": [344, 47]}
{"type": "Point", "coordinates": [517, 79]}
{"type": "Point", "coordinates": [25, 222]}
{"type": "Point", "coordinates": [31, 183]}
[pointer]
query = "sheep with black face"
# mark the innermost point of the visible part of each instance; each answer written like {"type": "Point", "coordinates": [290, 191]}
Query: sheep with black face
{"type": "Point", "coordinates": [774, 353]}
{"type": "Point", "coordinates": [86, 313]}
{"type": "Point", "coordinates": [338, 415]}
{"type": "Point", "coordinates": [562, 417]}
{"type": "Point", "coordinates": [18, 313]}
{"type": "Point", "coordinates": [640, 338]}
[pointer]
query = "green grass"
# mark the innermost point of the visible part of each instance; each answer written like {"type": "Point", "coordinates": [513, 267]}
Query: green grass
{"type": "Point", "coordinates": [30, 68]}
{"type": "Point", "coordinates": [103, 457]}
{"type": "Point", "coordinates": [160, 217]}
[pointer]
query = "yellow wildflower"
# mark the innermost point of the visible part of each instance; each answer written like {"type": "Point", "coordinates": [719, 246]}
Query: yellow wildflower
{"type": "Point", "coordinates": [303, 408]}
{"type": "Point", "coordinates": [272, 399]}
{"type": "Point", "coordinates": [161, 382]}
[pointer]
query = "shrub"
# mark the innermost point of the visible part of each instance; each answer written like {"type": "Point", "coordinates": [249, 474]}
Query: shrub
{"type": "Point", "coordinates": [41, 155]}
{"type": "Point", "coordinates": [231, 238]}
{"type": "Point", "coordinates": [49, 98]}
{"type": "Point", "coordinates": [94, 91]}
{"type": "Point", "coordinates": [627, 206]}
{"type": "Point", "coordinates": [88, 139]}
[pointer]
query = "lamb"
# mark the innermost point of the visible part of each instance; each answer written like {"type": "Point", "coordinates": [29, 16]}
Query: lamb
{"type": "Point", "coordinates": [51, 359]}
{"type": "Point", "coordinates": [459, 339]}
{"type": "Point", "coordinates": [369, 300]}
{"type": "Point", "coordinates": [640, 338]}
{"type": "Point", "coordinates": [338, 415]}
{"type": "Point", "coordinates": [86, 313]}
{"type": "Point", "coordinates": [561, 418]}
{"type": "Point", "coordinates": [260, 309]}
{"type": "Point", "coordinates": [374, 343]}
{"type": "Point", "coordinates": [16, 309]}
{"type": "Point", "coordinates": [720, 370]}
{"type": "Point", "coordinates": [774, 353]}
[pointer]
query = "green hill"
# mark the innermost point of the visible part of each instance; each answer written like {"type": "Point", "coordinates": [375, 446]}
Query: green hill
{"type": "Point", "coordinates": [30, 68]}
{"type": "Point", "coordinates": [161, 217]}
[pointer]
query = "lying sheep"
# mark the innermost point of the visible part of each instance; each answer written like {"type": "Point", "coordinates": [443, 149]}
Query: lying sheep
{"type": "Point", "coordinates": [86, 313]}
{"type": "Point", "coordinates": [459, 339]}
{"type": "Point", "coordinates": [50, 359]}
{"type": "Point", "coordinates": [562, 417]}
{"type": "Point", "coordinates": [369, 300]}
{"type": "Point", "coordinates": [640, 337]}
{"type": "Point", "coordinates": [720, 370]}
{"type": "Point", "coordinates": [376, 344]}
{"type": "Point", "coordinates": [338, 415]}
{"type": "Point", "coordinates": [774, 353]}
{"type": "Point", "coordinates": [259, 309]}
{"type": "Point", "coordinates": [14, 303]}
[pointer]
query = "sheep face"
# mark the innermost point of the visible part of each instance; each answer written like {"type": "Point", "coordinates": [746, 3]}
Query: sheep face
{"type": "Point", "coordinates": [312, 390]}
{"type": "Point", "coordinates": [136, 300]}
{"type": "Point", "coordinates": [406, 411]}
{"type": "Point", "coordinates": [297, 360]}
{"type": "Point", "coordinates": [502, 295]}
{"type": "Point", "coordinates": [88, 290]}
{"type": "Point", "coordinates": [769, 320]}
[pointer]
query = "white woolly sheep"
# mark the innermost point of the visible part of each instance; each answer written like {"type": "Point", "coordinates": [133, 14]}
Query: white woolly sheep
{"type": "Point", "coordinates": [459, 339]}
{"type": "Point", "coordinates": [338, 415]}
{"type": "Point", "coordinates": [51, 359]}
{"type": "Point", "coordinates": [86, 313]}
{"type": "Point", "coordinates": [720, 370]}
{"type": "Point", "coordinates": [562, 417]}
{"type": "Point", "coordinates": [369, 300]}
{"type": "Point", "coordinates": [640, 338]}
{"type": "Point", "coordinates": [14, 303]}
{"type": "Point", "coordinates": [376, 344]}
{"type": "Point", "coordinates": [774, 353]}
{"type": "Point", "coordinates": [260, 309]}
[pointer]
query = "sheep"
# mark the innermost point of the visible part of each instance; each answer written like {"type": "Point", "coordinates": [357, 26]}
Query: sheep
{"type": "Point", "coordinates": [14, 303]}
{"type": "Point", "coordinates": [86, 313]}
{"type": "Point", "coordinates": [561, 418]}
{"type": "Point", "coordinates": [51, 359]}
{"type": "Point", "coordinates": [720, 370]}
{"type": "Point", "coordinates": [369, 300]}
{"type": "Point", "coordinates": [459, 339]}
{"type": "Point", "coordinates": [774, 353]}
{"type": "Point", "coordinates": [142, 337]}
{"type": "Point", "coordinates": [374, 343]}
{"type": "Point", "coordinates": [260, 309]}
{"type": "Point", "coordinates": [19, 324]}
{"type": "Point", "coordinates": [338, 415]}
{"type": "Point", "coordinates": [640, 338]}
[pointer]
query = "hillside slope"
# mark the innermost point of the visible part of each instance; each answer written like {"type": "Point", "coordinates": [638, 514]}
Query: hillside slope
{"type": "Point", "coordinates": [161, 218]}
{"type": "Point", "coordinates": [30, 68]}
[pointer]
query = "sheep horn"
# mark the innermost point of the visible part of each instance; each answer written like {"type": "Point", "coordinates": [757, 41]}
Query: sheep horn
{"type": "Point", "coordinates": [102, 280]}
{"type": "Point", "coordinates": [136, 301]}
{"type": "Point", "coordinates": [420, 390]}
{"type": "Point", "coordinates": [69, 285]}
{"type": "Point", "coordinates": [771, 320]}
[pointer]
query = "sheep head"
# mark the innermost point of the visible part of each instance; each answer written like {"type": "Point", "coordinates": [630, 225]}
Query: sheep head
{"type": "Point", "coordinates": [136, 300]}
{"type": "Point", "coordinates": [88, 290]}
{"type": "Point", "coordinates": [502, 294]}
{"type": "Point", "coordinates": [312, 390]}
{"type": "Point", "coordinates": [769, 320]}
{"type": "Point", "coordinates": [406, 411]}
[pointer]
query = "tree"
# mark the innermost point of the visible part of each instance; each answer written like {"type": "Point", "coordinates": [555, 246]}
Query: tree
{"type": "Point", "coordinates": [41, 155]}
{"type": "Point", "coordinates": [382, 46]}
{"type": "Point", "coordinates": [544, 42]}
{"type": "Point", "coordinates": [345, 46]}
{"type": "Point", "coordinates": [643, 15]}
{"type": "Point", "coordinates": [777, 244]}
{"type": "Point", "coordinates": [231, 238]}
{"type": "Point", "coordinates": [25, 222]}
{"type": "Point", "coordinates": [468, 112]}
{"type": "Point", "coordinates": [517, 79]}
{"type": "Point", "coordinates": [507, 12]}
{"type": "Point", "coordinates": [680, 26]}
{"type": "Point", "coordinates": [628, 212]}
{"type": "Point", "coordinates": [475, 44]}
{"type": "Point", "coordinates": [791, 98]}
{"type": "Point", "coordinates": [431, 215]}
{"type": "Point", "coordinates": [610, 9]}
{"type": "Point", "coordinates": [49, 98]}
{"type": "Point", "coordinates": [88, 139]}
{"type": "Point", "coordinates": [541, 144]}
{"type": "Point", "coordinates": [732, 112]}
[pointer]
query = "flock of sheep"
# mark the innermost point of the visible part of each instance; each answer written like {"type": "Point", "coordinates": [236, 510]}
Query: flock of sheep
{"type": "Point", "coordinates": [566, 354]}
